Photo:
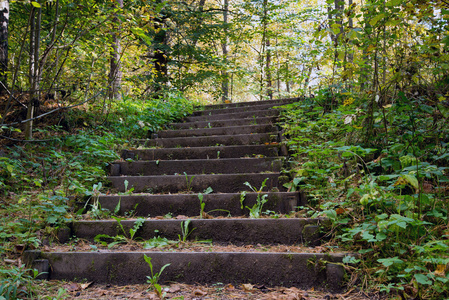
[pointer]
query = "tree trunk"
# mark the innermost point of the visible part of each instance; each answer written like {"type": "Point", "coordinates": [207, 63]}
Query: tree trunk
{"type": "Point", "coordinates": [268, 69]}
{"type": "Point", "coordinates": [35, 31]}
{"type": "Point", "coordinates": [4, 21]}
{"type": "Point", "coordinates": [115, 74]}
{"type": "Point", "coordinates": [224, 47]}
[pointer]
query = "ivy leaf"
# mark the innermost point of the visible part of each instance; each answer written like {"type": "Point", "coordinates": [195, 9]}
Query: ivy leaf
{"type": "Point", "coordinates": [35, 4]}
{"type": "Point", "coordinates": [393, 3]}
{"type": "Point", "coordinates": [422, 279]}
{"type": "Point", "coordinates": [376, 19]}
{"type": "Point", "coordinates": [390, 261]}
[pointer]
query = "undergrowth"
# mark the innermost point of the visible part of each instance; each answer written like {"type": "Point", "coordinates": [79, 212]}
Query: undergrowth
{"type": "Point", "coordinates": [41, 181]}
{"type": "Point", "coordinates": [380, 175]}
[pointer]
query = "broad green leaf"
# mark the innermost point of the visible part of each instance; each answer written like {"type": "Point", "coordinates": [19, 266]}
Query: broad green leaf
{"type": "Point", "coordinates": [336, 28]}
{"type": "Point", "coordinates": [390, 261]}
{"type": "Point", "coordinates": [376, 19]}
{"type": "Point", "coordinates": [393, 3]}
{"type": "Point", "coordinates": [411, 179]}
{"type": "Point", "coordinates": [35, 4]}
{"type": "Point", "coordinates": [422, 279]}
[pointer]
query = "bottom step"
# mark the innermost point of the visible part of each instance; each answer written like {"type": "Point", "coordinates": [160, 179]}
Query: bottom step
{"type": "Point", "coordinates": [302, 270]}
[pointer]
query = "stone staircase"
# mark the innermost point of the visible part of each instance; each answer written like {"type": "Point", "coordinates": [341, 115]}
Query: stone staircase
{"type": "Point", "coordinates": [221, 148]}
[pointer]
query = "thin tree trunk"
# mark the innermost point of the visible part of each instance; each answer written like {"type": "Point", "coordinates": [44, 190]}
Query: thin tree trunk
{"type": "Point", "coordinates": [224, 47]}
{"type": "Point", "coordinates": [4, 21]}
{"type": "Point", "coordinates": [268, 70]}
{"type": "Point", "coordinates": [34, 69]}
{"type": "Point", "coordinates": [351, 53]}
{"type": "Point", "coordinates": [115, 74]}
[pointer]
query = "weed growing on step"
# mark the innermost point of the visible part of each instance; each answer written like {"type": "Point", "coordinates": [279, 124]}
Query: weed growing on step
{"type": "Point", "coordinates": [189, 182]}
{"type": "Point", "coordinates": [185, 231]}
{"type": "Point", "coordinates": [256, 210]}
{"type": "Point", "coordinates": [123, 237]}
{"type": "Point", "coordinates": [153, 279]}
{"type": "Point", "coordinates": [202, 204]}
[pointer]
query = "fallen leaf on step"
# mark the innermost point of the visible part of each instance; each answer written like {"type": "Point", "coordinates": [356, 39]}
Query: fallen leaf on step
{"type": "Point", "coordinates": [181, 217]}
{"type": "Point", "coordinates": [174, 288]}
{"type": "Point", "coordinates": [248, 287]}
{"type": "Point", "coordinates": [85, 285]}
{"type": "Point", "coordinates": [206, 215]}
{"type": "Point", "coordinates": [293, 294]}
{"type": "Point", "coordinates": [199, 292]}
{"type": "Point", "coordinates": [72, 287]}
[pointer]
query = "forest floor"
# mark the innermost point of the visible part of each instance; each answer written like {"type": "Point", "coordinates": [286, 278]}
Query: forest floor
{"type": "Point", "coordinates": [193, 292]}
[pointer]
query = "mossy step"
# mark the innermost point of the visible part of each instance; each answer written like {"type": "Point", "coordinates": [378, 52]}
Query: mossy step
{"type": "Point", "coordinates": [302, 270]}
{"type": "Point", "coordinates": [236, 151]}
{"type": "Point", "coordinates": [196, 166]}
{"type": "Point", "coordinates": [189, 204]}
{"type": "Point", "coordinates": [224, 123]}
{"type": "Point", "coordinates": [220, 183]}
{"type": "Point", "coordinates": [253, 103]}
{"type": "Point", "coordinates": [214, 140]}
{"type": "Point", "coordinates": [231, 116]}
{"type": "Point", "coordinates": [230, 110]}
{"type": "Point", "coordinates": [231, 130]}
{"type": "Point", "coordinates": [235, 231]}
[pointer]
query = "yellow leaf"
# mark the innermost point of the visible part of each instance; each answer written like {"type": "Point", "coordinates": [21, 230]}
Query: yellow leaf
{"type": "Point", "coordinates": [336, 28]}
{"type": "Point", "coordinates": [247, 287]}
{"type": "Point", "coordinates": [441, 270]}
{"type": "Point", "coordinates": [387, 106]}
{"type": "Point", "coordinates": [441, 99]}
{"type": "Point", "coordinates": [35, 4]}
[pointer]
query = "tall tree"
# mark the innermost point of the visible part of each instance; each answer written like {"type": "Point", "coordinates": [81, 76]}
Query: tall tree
{"type": "Point", "coordinates": [34, 74]}
{"type": "Point", "coordinates": [115, 73]}
{"type": "Point", "coordinates": [224, 47]}
{"type": "Point", "coordinates": [4, 22]}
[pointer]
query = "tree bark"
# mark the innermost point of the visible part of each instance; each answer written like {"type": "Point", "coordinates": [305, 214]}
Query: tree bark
{"type": "Point", "coordinates": [115, 73]}
{"type": "Point", "coordinates": [224, 47]}
{"type": "Point", "coordinates": [4, 22]}
{"type": "Point", "coordinates": [35, 31]}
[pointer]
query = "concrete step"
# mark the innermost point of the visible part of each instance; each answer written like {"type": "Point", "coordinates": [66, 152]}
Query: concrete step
{"type": "Point", "coordinates": [189, 204]}
{"type": "Point", "coordinates": [230, 110]}
{"type": "Point", "coordinates": [196, 166]}
{"type": "Point", "coordinates": [253, 103]}
{"type": "Point", "coordinates": [235, 231]}
{"type": "Point", "coordinates": [302, 270]}
{"type": "Point", "coordinates": [220, 183]}
{"type": "Point", "coordinates": [203, 152]}
{"type": "Point", "coordinates": [213, 140]}
{"type": "Point", "coordinates": [225, 123]}
{"type": "Point", "coordinates": [232, 116]}
{"type": "Point", "coordinates": [231, 130]}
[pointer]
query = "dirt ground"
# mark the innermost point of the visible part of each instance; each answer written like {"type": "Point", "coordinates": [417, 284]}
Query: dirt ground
{"type": "Point", "coordinates": [191, 292]}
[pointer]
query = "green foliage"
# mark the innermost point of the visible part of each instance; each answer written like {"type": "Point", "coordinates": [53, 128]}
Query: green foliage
{"type": "Point", "coordinates": [16, 283]}
{"type": "Point", "coordinates": [386, 196]}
